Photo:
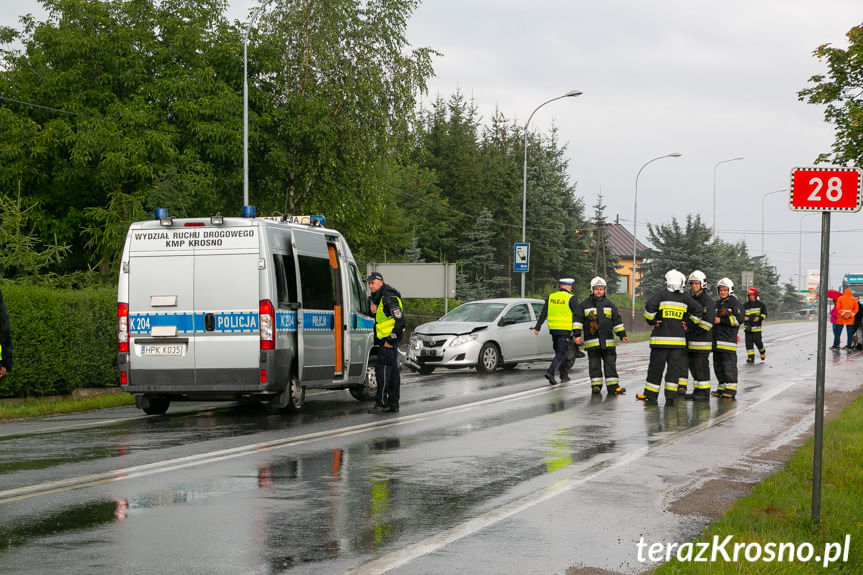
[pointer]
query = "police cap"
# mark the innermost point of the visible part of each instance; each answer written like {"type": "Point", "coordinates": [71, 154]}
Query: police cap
{"type": "Point", "coordinates": [375, 276]}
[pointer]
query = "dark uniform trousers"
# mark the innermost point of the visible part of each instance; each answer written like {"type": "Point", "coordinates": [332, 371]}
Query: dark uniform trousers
{"type": "Point", "coordinates": [699, 367]}
{"type": "Point", "coordinates": [671, 361]}
{"type": "Point", "coordinates": [558, 364]}
{"type": "Point", "coordinates": [603, 361]}
{"type": "Point", "coordinates": [725, 367]}
{"type": "Point", "coordinates": [753, 338]}
{"type": "Point", "coordinates": [388, 376]}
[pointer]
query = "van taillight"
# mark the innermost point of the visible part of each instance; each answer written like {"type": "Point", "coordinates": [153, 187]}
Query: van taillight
{"type": "Point", "coordinates": [123, 327]}
{"type": "Point", "coordinates": [124, 378]}
{"type": "Point", "coordinates": [267, 321]}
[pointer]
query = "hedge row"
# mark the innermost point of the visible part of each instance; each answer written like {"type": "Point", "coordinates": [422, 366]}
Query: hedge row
{"type": "Point", "coordinates": [63, 339]}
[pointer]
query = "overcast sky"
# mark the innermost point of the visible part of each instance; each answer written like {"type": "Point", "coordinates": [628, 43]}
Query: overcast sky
{"type": "Point", "coordinates": [708, 80]}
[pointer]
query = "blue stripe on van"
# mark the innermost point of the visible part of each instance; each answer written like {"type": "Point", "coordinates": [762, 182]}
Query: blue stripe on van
{"type": "Point", "coordinates": [225, 322]}
{"type": "Point", "coordinates": [143, 322]}
{"type": "Point", "coordinates": [364, 323]}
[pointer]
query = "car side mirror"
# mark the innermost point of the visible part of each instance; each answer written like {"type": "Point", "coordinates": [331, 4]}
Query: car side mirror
{"type": "Point", "coordinates": [506, 321]}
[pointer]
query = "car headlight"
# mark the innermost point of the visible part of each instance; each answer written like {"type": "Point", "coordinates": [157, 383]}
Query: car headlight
{"type": "Point", "coordinates": [463, 339]}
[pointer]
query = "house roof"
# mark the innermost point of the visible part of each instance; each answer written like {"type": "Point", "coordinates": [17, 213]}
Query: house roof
{"type": "Point", "coordinates": [620, 241]}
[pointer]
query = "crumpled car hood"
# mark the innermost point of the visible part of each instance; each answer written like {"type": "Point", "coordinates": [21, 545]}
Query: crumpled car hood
{"type": "Point", "coordinates": [450, 327]}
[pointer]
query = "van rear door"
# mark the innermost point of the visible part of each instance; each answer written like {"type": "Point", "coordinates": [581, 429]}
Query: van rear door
{"type": "Point", "coordinates": [161, 311]}
{"type": "Point", "coordinates": [226, 288]}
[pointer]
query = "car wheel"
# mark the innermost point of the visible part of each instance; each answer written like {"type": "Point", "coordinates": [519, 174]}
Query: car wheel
{"type": "Point", "coordinates": [425, 369]}
{"type": "Point", "coordinates": [489, 358]}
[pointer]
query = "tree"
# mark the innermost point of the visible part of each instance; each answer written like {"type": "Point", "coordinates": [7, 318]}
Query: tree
{"type": "Point", "coordinates": [23, 256]}
{"type": "Point", "coordinates": [841, 91]}
{"type": "Point", "coordinates": [604, 261]}
{"type": "Point", "coordinates": [128, 97]}
{"type": "Point", "coordinates": [335, 92]}
{"type": "Point", "coordinates": [790, 300]}
{"type": "Point", "coordinates": [480, 276]}
{"type": "Point", "coordinates": [687, 248]}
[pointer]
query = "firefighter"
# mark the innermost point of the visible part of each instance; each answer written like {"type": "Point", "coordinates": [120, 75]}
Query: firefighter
{"type": "Point", "coordinates": [599, 319]}
{"type": "Point", "coordinates": [667, 312]}
{"type": "Point", "coordinates": [755, 313]}
{"type": "Point", "coordinates": [699, 341]}
{"type": "Point", "coordinates": [386, 305]}
{"type": "Point", "coordinates": [560, 308]}
{"type": "Point", "coordinates": [726, 324]}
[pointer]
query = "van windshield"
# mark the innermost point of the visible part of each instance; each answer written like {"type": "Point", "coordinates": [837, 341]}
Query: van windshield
{"type": "Point", "coordinates": [479, 312]}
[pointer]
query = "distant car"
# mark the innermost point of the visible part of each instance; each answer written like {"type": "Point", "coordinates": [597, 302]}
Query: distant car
{"type": "Point", "coordinates": [485, 334]}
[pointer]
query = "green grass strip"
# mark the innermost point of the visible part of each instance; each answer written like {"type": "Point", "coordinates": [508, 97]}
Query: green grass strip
{"type": "Point", "coordinates": [779, 509]}
{"type": "Point", "coordinates": [34, 407]}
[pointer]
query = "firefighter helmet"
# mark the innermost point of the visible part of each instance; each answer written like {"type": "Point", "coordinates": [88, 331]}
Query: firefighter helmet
{"type": "Point", "coordinates": [674, 280]}
{"type": "Point", "coordinates": [698, 276]}
{"type": "Point", "coordinates": [726, 283]}
{"type": "Point", "coordinates": [597, 282]}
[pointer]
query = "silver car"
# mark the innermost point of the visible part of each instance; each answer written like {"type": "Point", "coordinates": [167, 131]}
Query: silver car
{"type": "Point", "coordinates": [485, 334]}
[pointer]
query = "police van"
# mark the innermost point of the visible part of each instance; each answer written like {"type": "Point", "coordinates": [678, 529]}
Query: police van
{"type": "Point", "coordinates": [241, 308]}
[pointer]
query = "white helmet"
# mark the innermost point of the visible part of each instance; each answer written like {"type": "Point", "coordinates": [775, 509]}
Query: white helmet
{"type": "Point", "coordinates": [726, 283]}
{"type": "Point", "coordinates": [597, 282]}
{"type": "Point", "coordinates": [698, 276]}
{"type": "Point", "coordinates": [674, 280]}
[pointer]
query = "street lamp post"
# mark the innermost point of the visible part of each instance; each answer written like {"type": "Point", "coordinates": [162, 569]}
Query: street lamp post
{"type": "Point", "coordinates": [764, 197]}
{"type": "Point", "coordinates": [800, 252]}
{"type": "Point", "coordinates": [570, 94]}
{"type": "Point", "coordinates": [635, 227]}
{"type": "Point", "coordinates": [713, 237]}
{"type": "Point", "coordinates": [252, 19]}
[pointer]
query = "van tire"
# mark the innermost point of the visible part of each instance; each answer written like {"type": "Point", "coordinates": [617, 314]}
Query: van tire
{"type": "Point", "coordinates": [489, 358]}
{"type": "Point", "coordinates": [368, 388]}
{"type": "Point", "coordinates": [152, 404]}
{"type": "Point", "coordinates": [292, 398]}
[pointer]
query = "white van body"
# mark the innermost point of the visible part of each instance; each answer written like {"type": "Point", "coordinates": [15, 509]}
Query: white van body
{"type": "Point", "coordinates": [233, 308]}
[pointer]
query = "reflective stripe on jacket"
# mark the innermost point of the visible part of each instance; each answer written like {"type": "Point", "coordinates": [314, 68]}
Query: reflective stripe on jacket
{"type": "Point", "coordinates": [666, 311]}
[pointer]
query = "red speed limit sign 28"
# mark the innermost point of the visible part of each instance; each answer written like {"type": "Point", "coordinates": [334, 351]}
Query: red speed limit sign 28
{"type": "Point", "coordinates": [826, 189]}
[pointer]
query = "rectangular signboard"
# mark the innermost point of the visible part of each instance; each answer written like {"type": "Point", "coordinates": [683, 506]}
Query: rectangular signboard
{"type": "Point", "coordinates": [826, 189]}
{"type": "Point", "coordinates": [521, 257]}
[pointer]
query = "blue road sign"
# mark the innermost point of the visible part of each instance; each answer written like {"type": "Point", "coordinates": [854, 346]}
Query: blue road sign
{"type": "Point", "coordinates": [521, 257]}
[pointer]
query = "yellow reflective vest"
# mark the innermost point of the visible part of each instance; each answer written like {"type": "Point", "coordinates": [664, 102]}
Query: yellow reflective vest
{"type": "Point", "coordinates": [559, 312]}
{"type": "Point", "coordinates": [384, 324]}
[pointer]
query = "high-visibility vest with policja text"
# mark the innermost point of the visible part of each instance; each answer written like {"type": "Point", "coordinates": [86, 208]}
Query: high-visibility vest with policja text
{"type": "Point", "coordinates": [559, 313]}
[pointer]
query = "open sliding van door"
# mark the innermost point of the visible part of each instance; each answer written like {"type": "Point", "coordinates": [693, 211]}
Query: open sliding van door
{"type": "Point", "coordinates": [316, 316]}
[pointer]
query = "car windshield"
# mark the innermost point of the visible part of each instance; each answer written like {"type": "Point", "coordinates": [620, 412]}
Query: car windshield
{"type": "Point", "coordinates": [481, 312]}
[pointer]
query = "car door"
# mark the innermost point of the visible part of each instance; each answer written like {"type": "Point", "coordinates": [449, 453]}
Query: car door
{"type": "Point", "coordinates": [543, 345]}
{"type": "Point", "coordinates": [514, 334]}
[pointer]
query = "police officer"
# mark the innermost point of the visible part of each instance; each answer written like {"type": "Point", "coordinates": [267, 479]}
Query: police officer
{"type": "Point", "coordinates": [667, 311]}
{"type": "Point", "coordinates": [599, 319]}
{"type": "Point", "coordinates": [5, 339]}
{"type": "Point", "coordinates": [386, 305]}
{"type": "Point", "coordinates": [699, 341]}
{"type": "Point", "coordinates": [726, 324]}
{"type": "Point", "coordinates": [755, 312]}
{"type": "Point", "coordinates": [560, 308]}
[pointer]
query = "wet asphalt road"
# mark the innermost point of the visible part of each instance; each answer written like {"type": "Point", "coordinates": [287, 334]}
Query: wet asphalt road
{"type": "Point", "coordinates": [478, 474]}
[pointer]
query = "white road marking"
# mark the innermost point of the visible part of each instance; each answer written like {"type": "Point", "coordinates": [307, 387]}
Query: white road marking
{"type": "Point", "coordinates": [25, 492]}
{"type": "Point", "coordinates": [402, 556]}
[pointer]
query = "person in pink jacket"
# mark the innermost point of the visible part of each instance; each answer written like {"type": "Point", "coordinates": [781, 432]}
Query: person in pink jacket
{"type": "Point", "coordinates": [846, 308]}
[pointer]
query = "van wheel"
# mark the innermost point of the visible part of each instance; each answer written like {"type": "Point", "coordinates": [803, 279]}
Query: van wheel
{"type": "Point", "coordinates": [489, 358]}
{"type": "Point", "coordinates": [293, 397]}
{"type": "Point", "coordinates": [152, 404]}
{"type": "Point", "coordinates": [368, 388]}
